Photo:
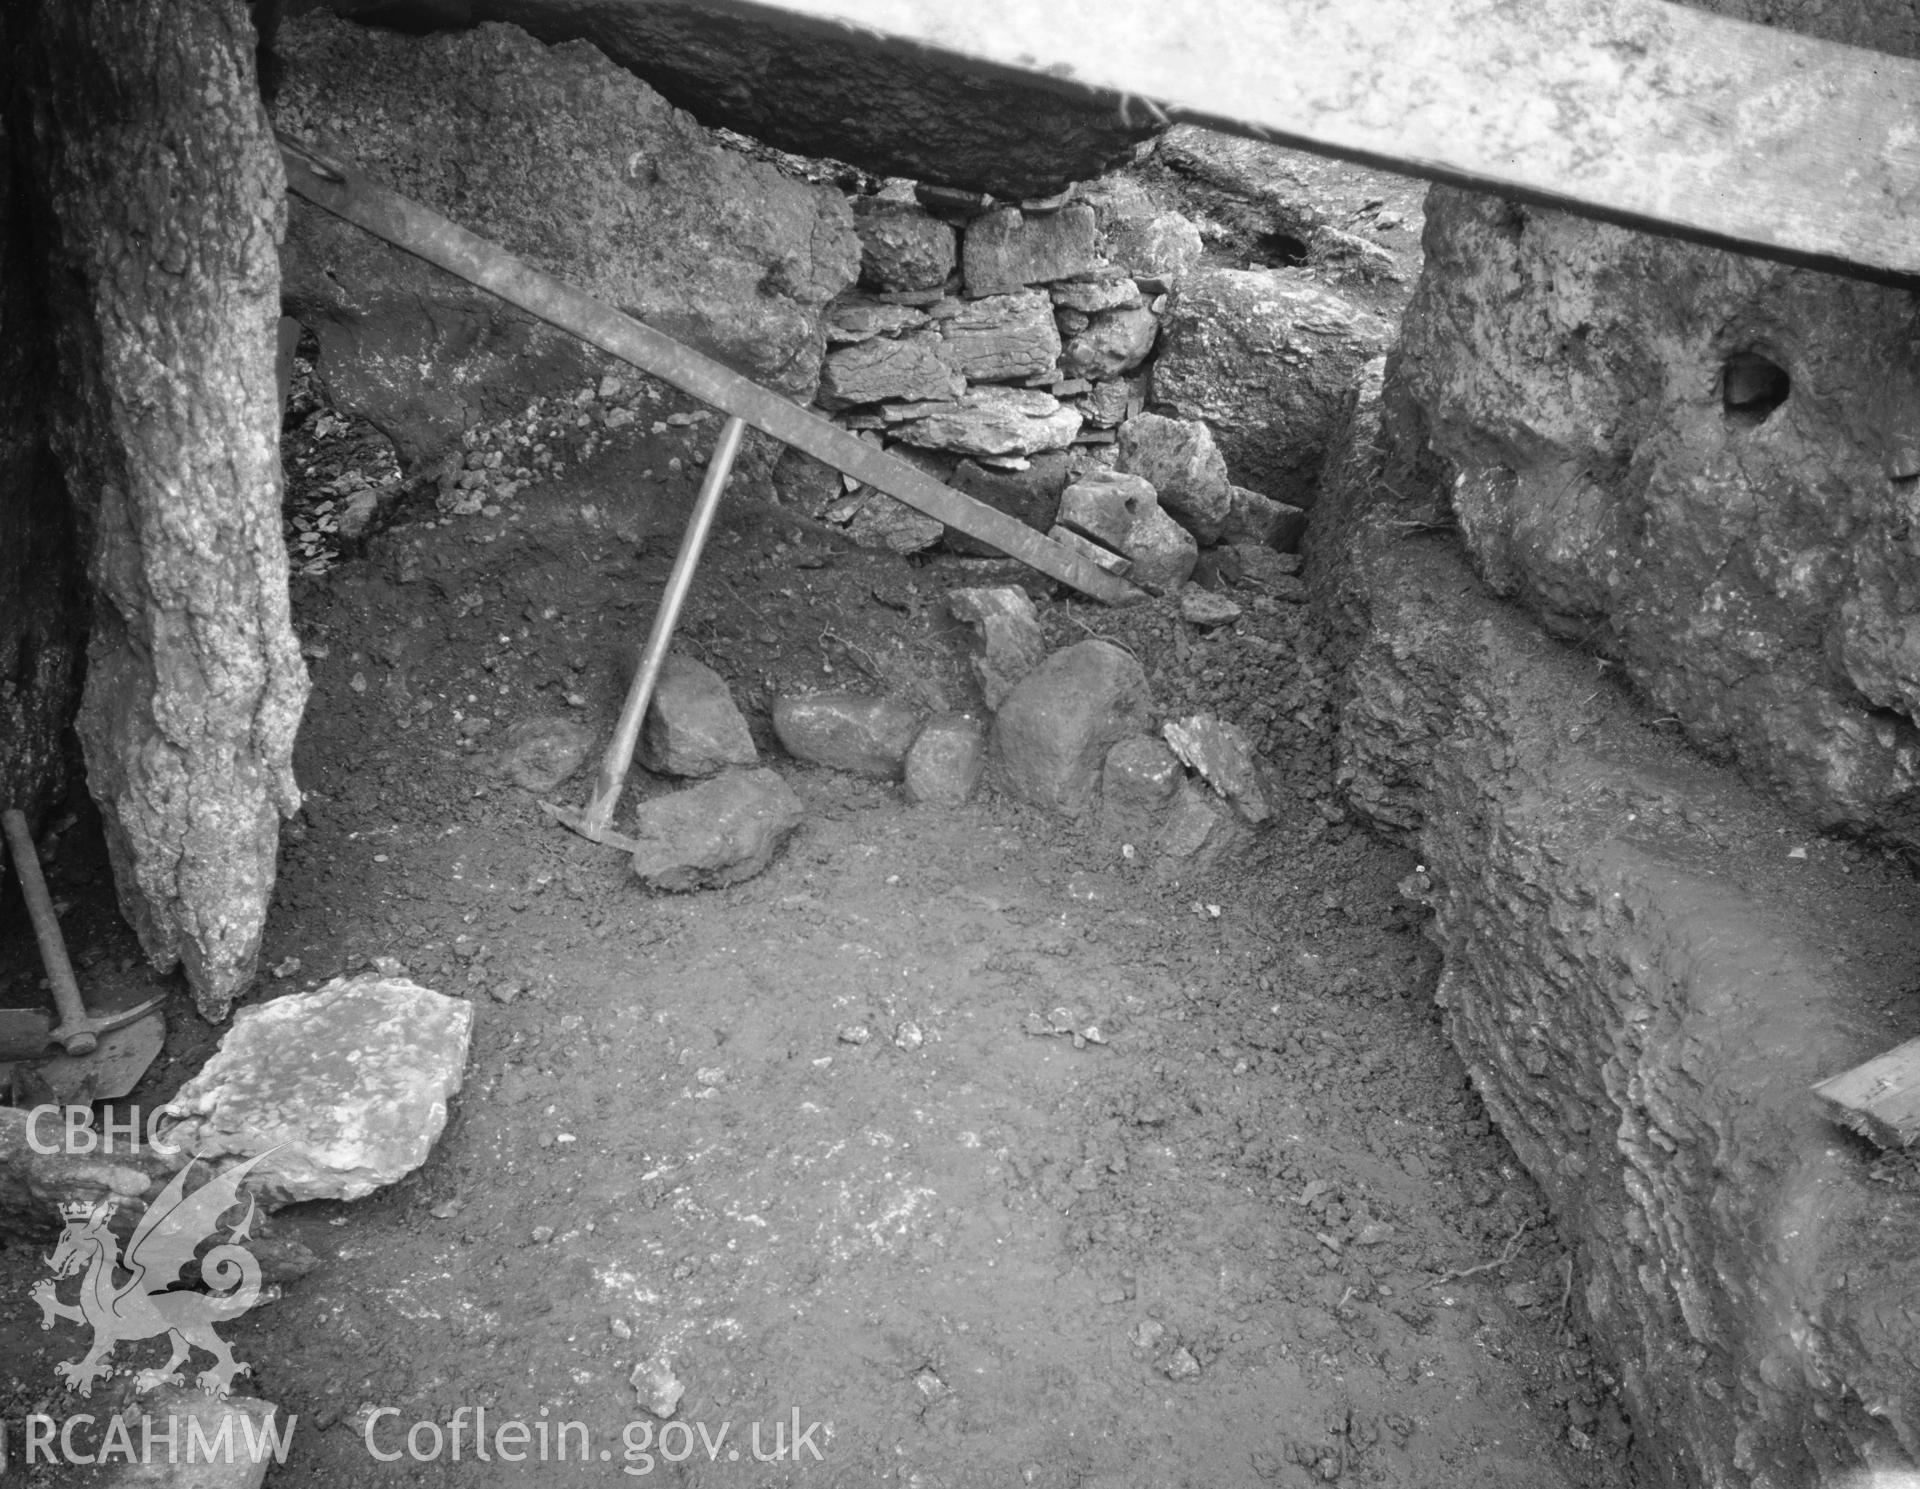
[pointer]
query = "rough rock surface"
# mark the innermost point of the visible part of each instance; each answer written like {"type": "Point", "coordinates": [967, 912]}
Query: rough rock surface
{"type": "Point", "coordinates": [1052, 734]}
{"type": "Point", "coordinates": [714, 834]}
{"type": "Point", "coordinates": [1749, 565]}
{"type": "Point", "coordinates": [693, 727]}
{"type": "Point", "coordinates": [1197, 832]}
{"type": "Point", "coordinates": [989, 420]}
{"type": "Point", "coordinates": [1141, 234]}
{"type": "Point", "coordinates": [1219, 752]}
{"type": "Point", "coordinates": [162, 290]}
{"type": "Point", "coordinates": [1011, 643]}
{"type": "Point", "coordinates": [571, 164]}
{"type": "Point", "coordinates": [1266, 358]}
{"type": "Point", "coordinates": [1642, 1024]}
{"type": "Point", "coordinates": [1122, 512]}
{"type": "Point", "coordinates": [1137, 781]}
{"type": "Point", "coordinates": [902, 247]}
{"type": "Point", "coordinates": [1207, 609]}
{"type": "Point", "coordinates": [882, 522]}
{"type": "Point", "coordinates": [1004, 249]}
{"type": "Point", "coordinates": [1181, 459]}
{"type": "Point", "coordinates": [1261, 520]}
{"type": "Point", "coordinates": [1115, 342]}
{"type": "Point", "coordinates": [1032, 495]}
{"type": "Point", "coordinates": [1001, 338]}
{"type": "Point", "coordinates": [868, 736]}
{"type": "Point", "coordinates": [912, 367]}
{"type": "Point", "coordinates": [540, 753]}
{"type": "Point", "coordinates": [891, 110]}
{"type": "Point", "coordinates": [33, 1185]}
{"type": "Point", "coordinates": [349, 1082]}
{"type": "Point", "coordinates": [946, 761]}
{"type": "Point", "coordinates": [183, 1410]}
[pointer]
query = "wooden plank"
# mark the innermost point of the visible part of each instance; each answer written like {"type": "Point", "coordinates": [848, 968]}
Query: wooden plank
{"type": "Point", "coordinates": [1638, 111]}
{"type": "Point", "coordinates": [417, 229]}
{"type": "Point", "coordinates": [1880, 1099]}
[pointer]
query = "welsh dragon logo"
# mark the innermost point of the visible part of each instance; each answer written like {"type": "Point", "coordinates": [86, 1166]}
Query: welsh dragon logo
{"type": "Point", "coordinates": [145, 1304]}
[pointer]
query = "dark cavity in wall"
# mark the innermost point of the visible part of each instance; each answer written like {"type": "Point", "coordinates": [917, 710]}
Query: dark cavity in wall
{"type": "Point", "coordinates": [1752, 386]}
{"type": "Point", "coordinates": [43, 605]}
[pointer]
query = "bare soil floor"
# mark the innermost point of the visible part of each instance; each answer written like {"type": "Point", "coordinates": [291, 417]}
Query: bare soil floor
{"type": "Point", "coordinates": [813, 1144]}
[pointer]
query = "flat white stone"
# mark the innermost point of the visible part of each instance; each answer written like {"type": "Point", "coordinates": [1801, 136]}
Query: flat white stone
{"type": "Point", "coordinates": [349, 1083]}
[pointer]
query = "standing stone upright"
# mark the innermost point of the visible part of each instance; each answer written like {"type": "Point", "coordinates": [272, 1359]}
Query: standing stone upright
{"type": "Point", "coordinates": [163, 200]}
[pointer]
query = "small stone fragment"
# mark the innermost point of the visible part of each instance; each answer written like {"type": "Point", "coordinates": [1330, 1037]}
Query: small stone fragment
{"type": "Point", "coordinates": [539, 754]}
{"type": "Point", "coordinates": [855, 1034]}
{"type": "Point", "coordinates": [1222, 756]}
{"type": "Point", "coordinates": [714, 834]}
{"type": "Point", "coordinates": [191, 1415]}
{"type": "Point", "coordinates": [901, 246]}
{"type": "Point", "coordinates": [1010, 638]}
{"type": "Point", "coordinates": [692, 727]}
{"type": "Point", "coordinates": [657, 1388]}
{"type": "Point", "coordinates": [1194, 832]}
{"type": "Point", "coordinates": [908, 1035]}
{"type": "Point", "coordinates": [1207, 610]}
{"type": "Point", "coordinates": [1180, 1365]}
{"type": "Point", "coordinates": [1114, 400]}
{"type": "Point", "coordinates": [944, 765]}
{"type": "Point", "coordinates": [1004, 250]}
{"type": "Point", "coordinates": [868, 736]}
{"type": "Point", "coordinates": [1052, 734]}
{"type": "Point", "coordinates": [1186, 468]}
{"type": "Point", "coordinates": [348, 1084]}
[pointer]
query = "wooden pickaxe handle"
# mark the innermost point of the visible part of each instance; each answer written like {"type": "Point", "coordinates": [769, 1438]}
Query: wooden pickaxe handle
{"type": "Point", "coordinates": [76, 1033]}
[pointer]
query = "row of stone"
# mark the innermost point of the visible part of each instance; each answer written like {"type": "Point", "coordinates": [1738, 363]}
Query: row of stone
{"type": "Point", "coordinates": [1052, 739]}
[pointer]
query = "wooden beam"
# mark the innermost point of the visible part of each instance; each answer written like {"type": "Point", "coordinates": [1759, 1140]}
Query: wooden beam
{"type": "Point", "coordinates": [1880, 1099]}
{"type": "Point", "coordinates": [423, 232]}
{"type": "Point", "coordinates": [1637, 111]}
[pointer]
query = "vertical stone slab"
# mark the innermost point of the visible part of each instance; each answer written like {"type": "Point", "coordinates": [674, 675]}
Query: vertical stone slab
{"type": "Point", "coordinates": [160, 198]}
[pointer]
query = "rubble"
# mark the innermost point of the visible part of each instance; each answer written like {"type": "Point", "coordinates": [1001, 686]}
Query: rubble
{"type": "Point", "coordinates": [1224, 759]}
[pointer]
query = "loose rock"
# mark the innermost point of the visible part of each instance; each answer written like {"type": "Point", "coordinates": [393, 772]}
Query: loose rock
{"type": "Point", "coordinates": [348, 1083]}
{"type": "Point", "coordinates": [714, 834]}
{"type": "Point", "coordinates": [944, 765]}
{"type": "Point", "coordinates": [1010, 638]}
{"type": "Point", "coordinates": [1052, 734]}
{"type": "Point", "coordinates": [868, 736]}
{"type": "Point", "coordinates": [692, 727]}
{"type": "Point", "coordinates": [1186, 468]}
{"type": "Point", "coordinates": [1221, 754]}
{"type": "Point", "coordinates": [183, 1411]}
{"type": "Point", "coordinates": [1207, 610]}
{"type": "Point", "coordinates": [1032, 495]}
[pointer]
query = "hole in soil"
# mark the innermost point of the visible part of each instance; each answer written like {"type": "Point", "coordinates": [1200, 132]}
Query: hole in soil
{"type": "Point", "coordinates": [1280, 250]}
{"type": "Point", "coordinates": [1751, 388]}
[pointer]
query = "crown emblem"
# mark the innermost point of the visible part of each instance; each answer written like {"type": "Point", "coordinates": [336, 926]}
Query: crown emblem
{"type": "Point", "coordinates": [75, 1209]}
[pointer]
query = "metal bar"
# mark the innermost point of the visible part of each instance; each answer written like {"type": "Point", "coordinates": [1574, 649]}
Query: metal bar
{"type": "Point", "coordinates": [1651, 114]}
{"type": "Point", "coordinates": [74, 1035]}
{"type": "Point", "coordinates": [409, 225]}
{"type": "Point", "coordinates": [619, 757]}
